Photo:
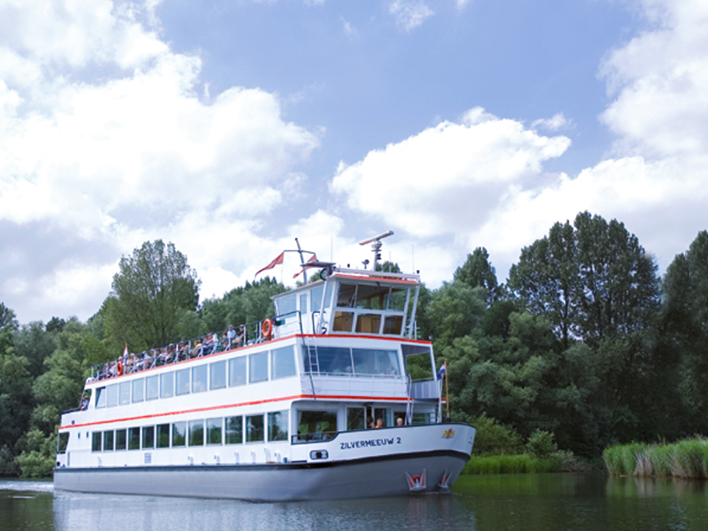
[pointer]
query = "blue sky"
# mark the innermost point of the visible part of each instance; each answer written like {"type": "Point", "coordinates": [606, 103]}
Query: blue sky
{"type": "Point", "coordinates": [232, 127]}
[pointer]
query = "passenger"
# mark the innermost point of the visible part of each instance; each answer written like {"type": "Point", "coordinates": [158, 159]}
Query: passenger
{"type": "Point", "coordinates": [183, 351]}
{"type": "Point", "coordinates": [147, 360]}
{"type": "Point", "coordinates": [241, 336]}
{"type": "Point", "coordinates": [197, 351]}
{"type": "Point", "coordinates": [379, 423]}
{"type": "Point", "coordinates": [230, 336]}
{"type": "Point", "coordinates": [171, 353]}
{"type": "Point", "coordinates": [105, 372]}
{"type": "Point", "coordinates": [84, 403]}
{"type": "Point", "coordinates": [130, 364]}
{"type": "Point", "coordinates": [399, 421]}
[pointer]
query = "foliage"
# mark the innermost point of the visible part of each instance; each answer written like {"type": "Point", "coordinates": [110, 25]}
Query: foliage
{"type": "Point", "coordinates": [477, 271]}
{"type": "Point", "coordinates": [541, 444]}
{"type": "Point", "coordinates": [38, 451]}
{"type": "Point", "coordinates": [513, 464]}
{"type": "Point", "coordinates": [687, 458]}
{"type": "Point", "coordinates": [153, 289]}
{"type": "Point", "coordinates": [494, 438]}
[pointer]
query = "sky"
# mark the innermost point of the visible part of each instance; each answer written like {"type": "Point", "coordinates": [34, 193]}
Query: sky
{"type": "Point", "coordinates": [232, 127]}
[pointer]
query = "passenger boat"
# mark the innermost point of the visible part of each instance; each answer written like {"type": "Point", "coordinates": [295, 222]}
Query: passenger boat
{"type": "Point", "coordinates": [320, 402]}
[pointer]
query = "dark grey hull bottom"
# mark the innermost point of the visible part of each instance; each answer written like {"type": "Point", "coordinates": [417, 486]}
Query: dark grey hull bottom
{"type": "Point", "coordinates": [385, 476]}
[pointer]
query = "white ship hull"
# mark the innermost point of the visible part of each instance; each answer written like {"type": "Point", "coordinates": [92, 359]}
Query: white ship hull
{"type": "Point", "coordinates": [375, 470]}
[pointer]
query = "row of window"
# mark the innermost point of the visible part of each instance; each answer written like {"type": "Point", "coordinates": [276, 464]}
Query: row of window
{"type": "Point", "coordinates": [216, 375]}
{"type": "Point", "coordinates": [192, 433]}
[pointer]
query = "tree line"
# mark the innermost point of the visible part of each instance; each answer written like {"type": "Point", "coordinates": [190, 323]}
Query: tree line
{"type": "Point", "coordinates": [584, 341]}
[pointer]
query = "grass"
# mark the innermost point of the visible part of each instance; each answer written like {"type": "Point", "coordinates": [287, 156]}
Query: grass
{"type": "Point", "coordinates": [683, 459]}
{"type": "Point", "coordinates": [520, 464]}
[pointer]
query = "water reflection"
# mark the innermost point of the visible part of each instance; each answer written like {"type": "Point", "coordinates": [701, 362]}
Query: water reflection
{"type": "Point", "coordinates": [531, 502]}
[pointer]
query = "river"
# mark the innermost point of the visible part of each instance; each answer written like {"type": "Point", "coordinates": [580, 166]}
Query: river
{"type": "Point", "coordinates": [529, 502]}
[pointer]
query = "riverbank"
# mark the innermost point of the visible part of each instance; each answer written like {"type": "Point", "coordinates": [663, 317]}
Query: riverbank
{"type": "Point", "coordinates": [683, 459]}
{"type": "Point", "coordinates": [525, 464]}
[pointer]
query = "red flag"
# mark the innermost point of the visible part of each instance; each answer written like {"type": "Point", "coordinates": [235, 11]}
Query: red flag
{"type": "Point", "coordinates": [313, 258]}
{"type": "Point", "coordinates": [278, 260]}
{"type": "Point", "coordinates": [125, 349]}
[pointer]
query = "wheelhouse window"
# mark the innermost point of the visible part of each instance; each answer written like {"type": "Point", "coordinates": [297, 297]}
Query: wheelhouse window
{"type": "Point", "coordinates": [258, 367]}
{"type": "Point", "coordinates": [283, 362]}
{"type": "Point", "coordinates": [234, 430]}
{"type": "Point", "coordinates": [217, 375]}
{"type": "Point", "coordinates": [286, 304]}
{"type": "Point", "coordinates": [254, 428]}
{"type": "Point", "coordinates": [182, 382]}
{"type": "Point", "coordinates": [334, 360]}
{"type": "Point", "coordinates": [278, 426]}
{"type": "Point", "coordinates": [213, 430]}
{"type": "Point", "coordinates": [237, 371]}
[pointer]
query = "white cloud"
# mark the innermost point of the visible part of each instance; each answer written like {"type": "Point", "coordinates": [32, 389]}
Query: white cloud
{"type": "Point", "coordinates": [108, 163]}
{"type": "Point", "coordinates": [410, 14]}
{"type": "Point", "coordinates": [554, 123]}
{"type": "Point", "coordinates": [448, 178]}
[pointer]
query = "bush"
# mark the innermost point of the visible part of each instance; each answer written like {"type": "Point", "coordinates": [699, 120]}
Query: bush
{"type": "Point", "coordinates": [8, 467]}
{"type": "Point", "coordinates": [494, 438]}
{"type": "Point", "coordinates": [541, 445]}
{"type": "Point", "coordinates": [35, 464]}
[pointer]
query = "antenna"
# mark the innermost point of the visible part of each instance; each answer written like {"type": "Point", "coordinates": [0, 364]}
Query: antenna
{"type": "Point", "coordinates": [376, 246]}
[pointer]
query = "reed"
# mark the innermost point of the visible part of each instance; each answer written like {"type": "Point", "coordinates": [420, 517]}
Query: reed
{"type": "Point", "coordinates": [512, 464]}
{"type": "Point", "coordinates": [683, 459]}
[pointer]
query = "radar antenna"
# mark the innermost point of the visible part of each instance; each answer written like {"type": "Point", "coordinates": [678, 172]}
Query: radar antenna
{"type": "Point", "coordinates": [376, 246]}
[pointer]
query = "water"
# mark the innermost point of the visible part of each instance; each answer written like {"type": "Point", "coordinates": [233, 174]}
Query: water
{"type": "Point", "coordinates": [531, 502]}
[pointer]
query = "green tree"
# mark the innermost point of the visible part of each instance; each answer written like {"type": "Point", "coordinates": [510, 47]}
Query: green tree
{"type": "Point", "coordinates": [477, 271]}
{"type": "Point", "coordinates": [36, 344]}
{"type": "Point", "coordinates": [152, 290]}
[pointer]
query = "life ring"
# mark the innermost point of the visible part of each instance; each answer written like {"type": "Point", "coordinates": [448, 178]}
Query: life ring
{"type": "Point", "coordinates": [119, 368]}
{"type": "Point", "coordinates": [267, 328]}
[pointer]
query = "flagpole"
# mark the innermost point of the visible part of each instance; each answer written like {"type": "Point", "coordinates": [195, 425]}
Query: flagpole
{"type": "Point", "coordinates": [447, 392]}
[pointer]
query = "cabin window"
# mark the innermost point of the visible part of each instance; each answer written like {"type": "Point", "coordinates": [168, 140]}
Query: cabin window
{"type": "Point", "coordinates": [334, 360]}
{"type": "Point", "coordinates": [62, 442]}
{"type": "Point", "coordinates": [417, 361]}
{"type": "Point", "coordinates": [96, 438]}
{"type": "Point", "coordinates": [182, 382]}
{"type": "Point", "coordinates": [199, 378]}
{"type": "Point", "coordinates": [422, 418]}
{"type": "Point", "coordinates": [108, 441]}
{"type": "Point", "coordinates": [369, 362]}
{"type": "Point", "coordinates": [237, 371]}
{"type": "Point", "coordinates": [356, 418]}
{"type": "Point", "coordinates": [112, 395]}
{"type": "Point", "coordinates": [133, 438]}
{"type": "Point", "coordinates": [139, 390]}
{"type": "Point", "coordinates": [303, 302]}
{"type": "Point", "coordinates": [124, 393]}
{"type": "Point", "coordinates": [382, 414]}
{"type": "Point", "coordinates": [121, 439]}
{"type": "Point", "coordinates": [213, 430]}
{"type": "Point", "coordinates": [217, 375]}
{"type": "Point", "coordinates": [343, 321]}
{"type": "Point", "coordinates": [316, 297]}
{"type": "Point", "coordinates": [368, 323]}
{"type": "Point", "coordinates": [101, 397]}
{"type": "Point", "coordinates": [151, 387]}
{"type": "Point", "coordinates": [179, 434]}
{"type": "Point", "coordinates": [286, 304]}
{"type": "Point", "coordinates": [393, 325]}
{"type": "Point", "coordinates": [163, 435]}
{"type": "Point", "coordinates": [196, 433]}
{"type": "Point", "coordinates": [167, 384]}
{"type": "Point", "coordinates": [283, 362]}
{"type": "Point", "coordinates": [316, 425]}
{"type": "Point", "coordinates": [234, 430]}
{"type": "Point", "coordinates": [258, 367]}
{"type": "Point", "coordinates": [148, 437]}
{"type": "Point", "coordinates": [254, 428]}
